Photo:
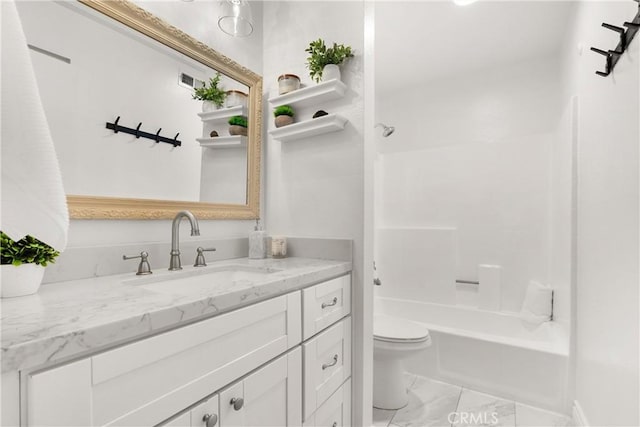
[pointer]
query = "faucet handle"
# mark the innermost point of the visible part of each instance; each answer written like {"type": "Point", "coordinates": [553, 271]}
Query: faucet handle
{"type": "Point", "coordinates": [144, 267]}
{"type": "Point", "coordinates": [200, 261]}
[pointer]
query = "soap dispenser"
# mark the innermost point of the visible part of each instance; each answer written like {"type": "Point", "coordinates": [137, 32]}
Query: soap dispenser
{"type": "Point", "coordinates": [257, 242]}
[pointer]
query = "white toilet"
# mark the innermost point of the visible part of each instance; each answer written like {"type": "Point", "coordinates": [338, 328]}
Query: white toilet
{"type": "Point", "coordinates": [394, 339]}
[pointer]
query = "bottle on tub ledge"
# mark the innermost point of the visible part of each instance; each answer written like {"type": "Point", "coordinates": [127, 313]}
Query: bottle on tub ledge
{"type": "Point", "coordinates": [257, 242]}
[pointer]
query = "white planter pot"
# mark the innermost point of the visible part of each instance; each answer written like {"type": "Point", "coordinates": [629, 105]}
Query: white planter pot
{"type": "Point", "coordinates": [330, 72]}
{"type": "Point", "coordinates": [21, 280]}
{"type": "Point", "coordinates": [208, 106]}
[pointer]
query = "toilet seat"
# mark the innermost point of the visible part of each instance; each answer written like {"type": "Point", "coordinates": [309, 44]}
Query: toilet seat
{"type": "Point", "coordinates": [395, 330]}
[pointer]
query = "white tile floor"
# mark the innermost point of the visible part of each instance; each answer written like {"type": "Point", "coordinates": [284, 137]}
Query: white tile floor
{"type": "Point", "coordinates": [431, 403]}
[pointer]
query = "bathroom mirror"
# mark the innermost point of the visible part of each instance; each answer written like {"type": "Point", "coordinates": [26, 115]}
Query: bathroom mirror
{"type": "Point", "coordinates": [99, 60]}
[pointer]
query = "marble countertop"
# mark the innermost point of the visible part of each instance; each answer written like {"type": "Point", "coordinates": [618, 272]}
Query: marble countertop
{"type": "Point", "coordinates": [66, 320]}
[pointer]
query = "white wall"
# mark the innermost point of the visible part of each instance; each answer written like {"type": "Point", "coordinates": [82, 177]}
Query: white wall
{"type": "Point", "coordinates": [473, 152]}
{"type": "Point", "coordinates": [315, 186]}
{"type": "Point", "coordinates": [607, 308]}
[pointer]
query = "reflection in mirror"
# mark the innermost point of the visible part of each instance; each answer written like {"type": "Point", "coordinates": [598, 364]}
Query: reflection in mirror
{"type": "Point", "coordinates": [92, 69]}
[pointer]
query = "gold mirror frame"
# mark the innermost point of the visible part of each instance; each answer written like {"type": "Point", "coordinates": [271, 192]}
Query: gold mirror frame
{"type": "Point", "coordinates": [90, 207]}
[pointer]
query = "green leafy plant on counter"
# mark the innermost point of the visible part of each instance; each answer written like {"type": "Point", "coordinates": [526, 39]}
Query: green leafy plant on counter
{"type": "Point", "coordinates": [321, 55]}
{"type": "Point", "coordinates": [27, 250]}
{"type": "Point", "coordinates": [212, 92]}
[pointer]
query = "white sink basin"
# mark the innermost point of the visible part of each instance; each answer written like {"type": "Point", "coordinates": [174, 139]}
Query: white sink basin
{"type": "Point", "coordinates": [192, 279]}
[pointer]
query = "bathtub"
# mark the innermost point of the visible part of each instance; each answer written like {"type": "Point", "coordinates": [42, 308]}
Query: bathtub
{"type": "Point", "coordinates": [492, 352]}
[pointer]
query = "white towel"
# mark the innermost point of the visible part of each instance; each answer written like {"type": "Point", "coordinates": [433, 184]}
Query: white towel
{"type": "Point", "coordinates": [537, 304]}
{"type": "Point", "coordinates": [33, 199]}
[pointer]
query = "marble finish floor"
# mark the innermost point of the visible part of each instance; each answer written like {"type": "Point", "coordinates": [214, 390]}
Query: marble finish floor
{"type": "Point", "coordinates": [434, 403]}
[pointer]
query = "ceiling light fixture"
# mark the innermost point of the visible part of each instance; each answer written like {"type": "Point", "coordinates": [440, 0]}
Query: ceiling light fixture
{"type": "Point", "coordinates": [235, 18]}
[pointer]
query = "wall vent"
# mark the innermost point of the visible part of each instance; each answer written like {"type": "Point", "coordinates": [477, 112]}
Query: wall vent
{"type": "Point", "coordinates": [189, 82]}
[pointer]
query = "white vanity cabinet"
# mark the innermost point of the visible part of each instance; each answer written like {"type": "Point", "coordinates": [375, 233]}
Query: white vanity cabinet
{"type": "Point", "coordinates": [146, 382]}
{"type": "Point", "coordinates": [247, 367]}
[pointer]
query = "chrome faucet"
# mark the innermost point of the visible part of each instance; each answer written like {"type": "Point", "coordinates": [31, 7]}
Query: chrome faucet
{"type": "Point", "coordinates": [174, 263]}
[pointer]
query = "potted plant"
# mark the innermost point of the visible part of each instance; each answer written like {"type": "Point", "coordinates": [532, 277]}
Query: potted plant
{"type": "Point", "coordinates": [212, 96]}
{"type": "Point", "coordinates": [238, 125]}
{"type": "Point", "coordinates": [23, 264]}
{"type": "Point", "coordinates": [284, 115]}
{"type": "Point", "coordinates": [323, 62]}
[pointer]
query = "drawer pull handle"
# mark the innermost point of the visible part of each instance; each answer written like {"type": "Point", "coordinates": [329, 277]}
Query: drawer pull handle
{"type": "Point", "coordinates": [237, 403]}
{"type": "Point", "coordinates": [333, 302]}
{"type": "Point", "coordinates": [328, 365]}
{"type": "Point", "coordinates": [210, 420]}
{"type": "Point", "coordinates": [335, 424]}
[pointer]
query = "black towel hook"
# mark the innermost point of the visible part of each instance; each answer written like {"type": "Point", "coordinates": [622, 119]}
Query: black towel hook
{"type": "Point", "coordinates": [608, 67]}
{"type": "Point", "coordinates": [623, 36]}
{"type": "Point", "coordinates": [626, 37]}
{"type": "Point", "coordinates": [142, 134]}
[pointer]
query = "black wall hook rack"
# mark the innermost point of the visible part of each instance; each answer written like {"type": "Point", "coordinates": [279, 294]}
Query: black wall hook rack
{"type": "Point", "coordinates": [626, 35]}
{"type": "Point", "coordinates": [115, 127]}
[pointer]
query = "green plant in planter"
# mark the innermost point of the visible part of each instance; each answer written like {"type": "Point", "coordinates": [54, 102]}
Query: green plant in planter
{"type": "Point", "coordinates": [283, 110]}
{"type": "Point", "coordinates": [238, 121]}
{"type": "Point", "coordinates": [320, 55]}
{"type": "Point", "coordinates": [212, 93]}
{"type": "Point", "coordinates": [284, 115]}
{"type": "Point", "coordinates": [27, 250]}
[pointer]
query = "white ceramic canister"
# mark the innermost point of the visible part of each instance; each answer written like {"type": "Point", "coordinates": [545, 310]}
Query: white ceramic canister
{"type": "Point", "coordinates": [235, 98]}
{"type": "Point", "coordinates": [288, 83]}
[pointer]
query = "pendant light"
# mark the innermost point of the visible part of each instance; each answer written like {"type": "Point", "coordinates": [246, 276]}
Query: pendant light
{"type": "Point", "coordinates": [235, 18]}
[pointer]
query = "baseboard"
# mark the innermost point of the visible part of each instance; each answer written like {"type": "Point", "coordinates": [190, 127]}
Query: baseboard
{"type": "Point", "coordinates": [577, 415]}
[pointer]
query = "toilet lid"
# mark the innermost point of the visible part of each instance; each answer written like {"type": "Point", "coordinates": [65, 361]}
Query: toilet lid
{"type": "Point", "coordinates": [394, 329]}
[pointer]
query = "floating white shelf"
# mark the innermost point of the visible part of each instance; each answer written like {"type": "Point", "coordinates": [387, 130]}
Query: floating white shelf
{"type": "Point", "coordinates": [311, 95]}
{"type": "Point", "coordinates": [309, 128]}
{"type": "Point", "coordinates": [235, 141]}
{"type": "Point", "coordinates": [223, 114]}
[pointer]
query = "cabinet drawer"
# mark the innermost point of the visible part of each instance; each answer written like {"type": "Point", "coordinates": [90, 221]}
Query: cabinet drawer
{"type": "Point", "coordinates": [327, 364]}
{"type": "Point", "coordinates": [325, 304]}
{"type": "Point", "coordinates": [335, 412]}
{"type": "Point", "coordinates": [146, 382]}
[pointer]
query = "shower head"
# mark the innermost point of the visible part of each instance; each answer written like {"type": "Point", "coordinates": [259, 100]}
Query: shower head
{"type": "Point", "coordinates": [386, 130]}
